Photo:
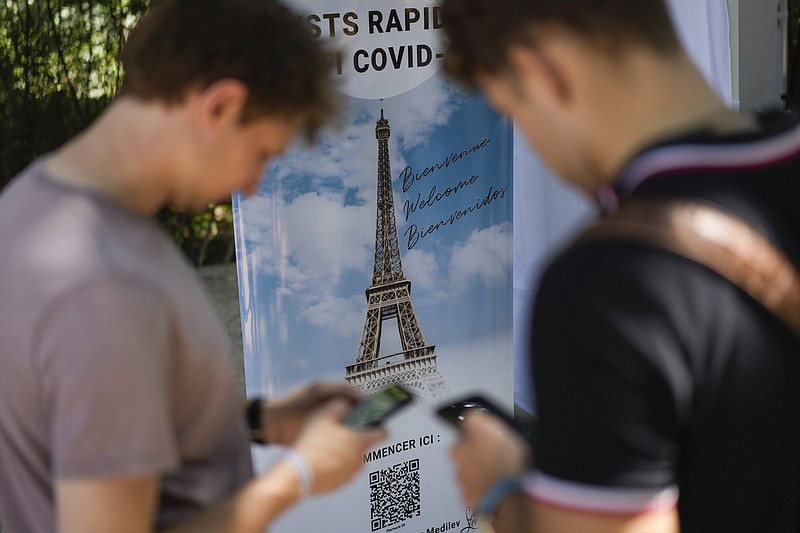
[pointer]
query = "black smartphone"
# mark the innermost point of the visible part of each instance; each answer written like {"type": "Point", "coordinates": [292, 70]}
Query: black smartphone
{"type": "Point", "coordinates": [375, 410]}
{"type": "Point", "coordinates": [454, 413]}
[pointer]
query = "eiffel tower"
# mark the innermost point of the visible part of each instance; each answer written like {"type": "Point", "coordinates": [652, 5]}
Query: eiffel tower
{"type": "Point", "coordinates": [389, 297]}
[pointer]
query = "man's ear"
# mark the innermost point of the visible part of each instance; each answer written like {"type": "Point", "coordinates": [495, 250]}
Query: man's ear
{"type": "Point", "coordinates": [541, 74]}
{"type": "Point", "coordinates": [222, 102]}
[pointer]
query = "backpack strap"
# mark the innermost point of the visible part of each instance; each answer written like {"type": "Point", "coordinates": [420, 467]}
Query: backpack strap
{"type": "Point", "coordinates": [715, 239]}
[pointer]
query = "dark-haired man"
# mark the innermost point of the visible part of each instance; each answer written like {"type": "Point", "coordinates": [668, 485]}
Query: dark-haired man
{"type": "Point", "coordinates": [667, 399]}
{"type": "Point", "coordinates": [119, 410]}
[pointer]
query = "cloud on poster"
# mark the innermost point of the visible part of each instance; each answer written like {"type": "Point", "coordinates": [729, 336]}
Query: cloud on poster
{"type": "Point", "coordinates": [313, 222]}
{"type": "Point", "coordinates": [484, 257]}
{"type": "Point", "coordinates": [312, 239]}
{"type": "Point", "coordinates": [344, 316]}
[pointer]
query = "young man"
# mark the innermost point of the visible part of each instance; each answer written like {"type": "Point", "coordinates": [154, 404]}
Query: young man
{"type": "Point", "coordinates": [667, 399]}
{"type": "Point", "coordinates": [118, 405]}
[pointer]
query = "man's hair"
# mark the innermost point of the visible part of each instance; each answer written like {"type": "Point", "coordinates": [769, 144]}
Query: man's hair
{"type": "Point", "coordinates": [481, 31]}
{"type": "Point", "coordinates": [185, 45]}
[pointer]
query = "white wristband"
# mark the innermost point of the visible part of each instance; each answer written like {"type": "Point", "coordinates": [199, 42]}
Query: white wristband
{"type": "Point", "coordinates": [305, 476]}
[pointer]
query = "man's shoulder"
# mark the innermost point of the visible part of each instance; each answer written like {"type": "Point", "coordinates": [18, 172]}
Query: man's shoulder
{"type": "Point", "coordinates": [612, 262]}
{"type": "Point", "coordinates": [614, 285]}
{"type": "Point", "coordinates": [56, 238]}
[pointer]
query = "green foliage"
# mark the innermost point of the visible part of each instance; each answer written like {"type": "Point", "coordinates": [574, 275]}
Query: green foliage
{"type": "Point", "coordinates": [205, 238]}
{"type": "Point", "coordinates": [59, 68]}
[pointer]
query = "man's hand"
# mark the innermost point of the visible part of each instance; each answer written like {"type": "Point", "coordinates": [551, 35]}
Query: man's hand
{"type": "Point", "coordinates": [282, 419]}
{"type": "Point", "coordinates": [334, 451]}
{"type": "Point", "coordinates": [487, 452]}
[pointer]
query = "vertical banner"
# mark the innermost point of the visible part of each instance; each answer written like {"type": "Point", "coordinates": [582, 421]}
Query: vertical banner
{"type": "Point", "coordinates": [383, 254]}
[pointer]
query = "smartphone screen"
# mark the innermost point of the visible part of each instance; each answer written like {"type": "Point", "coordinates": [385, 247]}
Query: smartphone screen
{"type": "Point", "coordinates": [374, 411]}
{"type": "Point", "coordinates": [456, 412]}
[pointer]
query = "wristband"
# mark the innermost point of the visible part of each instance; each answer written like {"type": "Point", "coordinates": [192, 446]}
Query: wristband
{"type": "Point", "coordinates": [305, 476]}
{"type": "Point", "coordinates": [496, 494]}
{"type": "Point", "coordinates": [255, 422]}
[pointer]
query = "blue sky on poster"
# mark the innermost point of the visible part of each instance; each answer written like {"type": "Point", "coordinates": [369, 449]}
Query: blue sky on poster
{"type": "Point", "coordinates": [309, 234]}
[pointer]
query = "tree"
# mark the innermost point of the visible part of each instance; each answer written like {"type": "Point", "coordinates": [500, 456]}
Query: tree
{"type": "Point", "coordinates": [59, 68]}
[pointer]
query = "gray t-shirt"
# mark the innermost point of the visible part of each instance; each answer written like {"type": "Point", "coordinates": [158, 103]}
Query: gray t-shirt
{"type": "Point", "coordinates": [112, 361]}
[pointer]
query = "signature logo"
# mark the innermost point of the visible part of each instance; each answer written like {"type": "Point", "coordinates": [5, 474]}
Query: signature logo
{"type": "Point", "coordinates": [472, 520]}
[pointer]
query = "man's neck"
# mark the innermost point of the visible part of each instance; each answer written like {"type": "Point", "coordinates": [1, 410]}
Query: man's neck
{"type": "Point", "coordinates": [120, 156]}
{"type": "Point", "coordinates": [663, 99]}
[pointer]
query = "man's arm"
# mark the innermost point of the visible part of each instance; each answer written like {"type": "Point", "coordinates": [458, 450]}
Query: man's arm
{"type": "Point", "coordinates": [488, 453]}
{"type": "Point", "coordinates": [128, 505]}
{"type": "Point", "coordinates": [520, 514]}
{"type": "Point", "coordinates": [121, 505]}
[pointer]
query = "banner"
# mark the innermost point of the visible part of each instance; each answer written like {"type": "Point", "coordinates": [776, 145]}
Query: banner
{"type": "Point", "coordinates": [383, 254]}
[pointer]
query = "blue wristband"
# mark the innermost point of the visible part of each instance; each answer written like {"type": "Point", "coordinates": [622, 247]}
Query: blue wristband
{"type": "Point", "coordinates": [497, 493]}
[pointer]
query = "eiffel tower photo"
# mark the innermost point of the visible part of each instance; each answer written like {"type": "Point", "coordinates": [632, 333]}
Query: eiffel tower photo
{"type": "Point", "coordinates": [388, 298]}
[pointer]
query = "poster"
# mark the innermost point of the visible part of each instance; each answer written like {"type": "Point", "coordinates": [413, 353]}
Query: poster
{"type": "Point", "coordinates": [383, 253]}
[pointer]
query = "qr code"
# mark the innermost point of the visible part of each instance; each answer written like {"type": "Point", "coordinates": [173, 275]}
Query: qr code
{"type": "Point", "coordinates": [394, 494]}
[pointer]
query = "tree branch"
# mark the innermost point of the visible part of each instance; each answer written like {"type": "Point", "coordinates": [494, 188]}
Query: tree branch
{"type": "Point", "coordinates": [62, 59]}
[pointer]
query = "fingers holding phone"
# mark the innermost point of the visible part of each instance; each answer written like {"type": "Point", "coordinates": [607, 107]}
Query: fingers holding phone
{"type": "Point", "coordinates": [375, 410]}
{"type": "Point", "coordinates": [283, 418]}
{"type": "Point", "coordinates": [492, 447]}
{"type": "Point", "coordinates": [332, 443]}
{"type": "Point", "coordinates": [488, 452]}
{"type": "Point", "coordinates": [455, 414]}
{"type": "Point", "coordinates": [332, 450]}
